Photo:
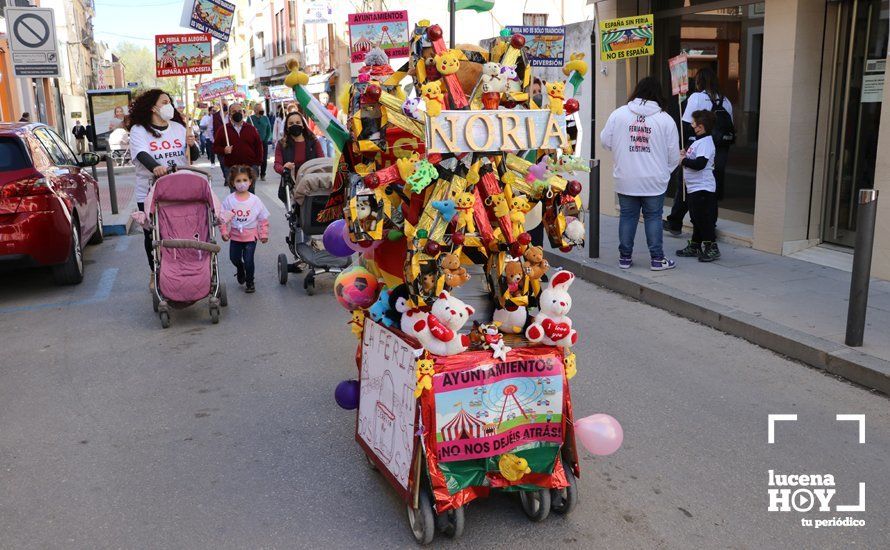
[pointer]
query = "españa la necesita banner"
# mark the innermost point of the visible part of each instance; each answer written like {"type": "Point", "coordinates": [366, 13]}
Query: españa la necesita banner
{"type": "Point", "coordinates": [627, 37]}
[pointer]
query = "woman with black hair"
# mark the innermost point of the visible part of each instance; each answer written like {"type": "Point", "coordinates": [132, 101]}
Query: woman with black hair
{"type": "Point", "coordinates": [158, 141]}
{"type": "Point", "coordinates": [297, 146]}
{"type": "Point", "coordinates": [643, 139]}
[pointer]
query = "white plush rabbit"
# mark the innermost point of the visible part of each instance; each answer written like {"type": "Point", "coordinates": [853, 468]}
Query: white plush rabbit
{"type": "Point", "coordinates": [552, 325]}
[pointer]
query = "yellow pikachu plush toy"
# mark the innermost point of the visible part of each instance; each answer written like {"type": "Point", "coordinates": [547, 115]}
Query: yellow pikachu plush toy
{"type": "Point", "coordinates": [556, 91]}
{"type": "Point", "coordinates": [432, 95]}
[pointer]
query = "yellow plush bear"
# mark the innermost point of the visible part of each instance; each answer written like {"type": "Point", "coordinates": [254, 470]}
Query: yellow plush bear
{"type": "Point", "coordinates": [571, 366]}
{"type": "Point", "coordinates": [465, 202]}
{"type": "Point", "coordinates": [519, 208]}
{"type": "Point", "coordinates": [556, 91]}
{"type": "Point", "coordinates": [435, 100]}
{"type": "Point", "coordinates": [357, 323]}
{"type": "Point", "coordinates": [448, 62]}
{"type": "Point", "coordinates": [501, 207]}
{"type": "Point", "coordinates": [512, 467]}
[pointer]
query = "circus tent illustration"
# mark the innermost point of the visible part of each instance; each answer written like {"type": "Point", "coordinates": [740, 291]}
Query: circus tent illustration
{"type": "Point", "coordinates": [462, 426]}
{"type": "Point", "coordinates": [362, 45]}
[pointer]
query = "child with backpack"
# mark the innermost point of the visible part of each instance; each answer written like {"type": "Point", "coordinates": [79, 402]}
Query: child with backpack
{"type": "Point", "coordinates": [701, 190]}
{"type": "Point", "coordinates": [246, 220]}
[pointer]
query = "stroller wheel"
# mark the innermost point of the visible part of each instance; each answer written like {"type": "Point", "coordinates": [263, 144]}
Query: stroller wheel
{"type": "Point", "coordinates": [282, 269]}
{"type": "Point", "coordinates": [214, 314]}
{"type": "Point", "coordinates": [563, 500]}
{"type": "Point", "coordinates": [536, 504]}
{"type": "Point", "coordinates": [223, 295]}
{"type": "Point", "coordinates": [165, 319]}
{"type": "Point", "coordinates": [451, 523]}
{"type": "Point", "coordinates": [309, 285]}
{"type": "Point", "coordinates": [422, 520]}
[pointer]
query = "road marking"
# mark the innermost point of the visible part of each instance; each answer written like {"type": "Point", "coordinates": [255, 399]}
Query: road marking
{"type": "Point", "coordinates": [102, 293]}
{"type": "Point", "coordinates": [860, 418]}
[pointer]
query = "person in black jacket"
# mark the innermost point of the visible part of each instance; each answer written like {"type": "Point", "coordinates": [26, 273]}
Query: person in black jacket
{"type": "Point", "coordinates": [80, 137]}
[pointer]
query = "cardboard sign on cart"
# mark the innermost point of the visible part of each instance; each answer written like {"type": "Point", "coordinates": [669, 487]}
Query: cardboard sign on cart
{"type": "Point", "coordinates": [388, 409]}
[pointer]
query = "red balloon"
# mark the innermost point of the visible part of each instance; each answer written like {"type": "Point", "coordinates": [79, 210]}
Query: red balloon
{"type": "Point", "coordinates": [517, 41]}
{"type": "Point", "coordinates": [524, 239]}
{"type": "Point", "coordinates": [457, 239]}
{"type": "Point", "coordinates": [571, 106]}
{"type": "Point", "coordinates": [516, 250]}
{"type": "Point", "coordinates": [573, 188]}
{"type": "Point", "coordinates": [434, 32]}
{"type": "Point", "coordinates": [508, 103]}
{"type": "Point", "coordinates": [565, 249]}
{"type": "Point", "coordinates": [432, 248]}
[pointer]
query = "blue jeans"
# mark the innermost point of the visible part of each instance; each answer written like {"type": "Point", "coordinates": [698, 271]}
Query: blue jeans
{"type": "Point", "coordinates": [241, 255]}
{"type": "Point", "coordinates": [630, 215]}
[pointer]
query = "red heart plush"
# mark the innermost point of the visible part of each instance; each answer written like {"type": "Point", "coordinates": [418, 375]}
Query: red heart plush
{"type": "Point", "coordinates": [439, 329]}
{"type": "Point", "coordinates": [556, 331]}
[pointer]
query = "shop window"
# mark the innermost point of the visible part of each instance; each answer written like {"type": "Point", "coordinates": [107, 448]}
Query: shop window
{"type": "Point", "coordinates": [534, 19]}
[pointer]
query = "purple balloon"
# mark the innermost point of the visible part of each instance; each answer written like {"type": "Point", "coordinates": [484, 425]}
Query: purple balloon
{"type": "Point", "coordinates": [346, 394]}
{"type": "Point", "coordinates": [333, 239]}
{"type": "Point", "coordinates": [600, 434]}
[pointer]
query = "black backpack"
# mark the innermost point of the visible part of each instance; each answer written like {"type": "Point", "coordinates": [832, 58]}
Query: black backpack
{"type": "Point", "coordinates": [724, 129]}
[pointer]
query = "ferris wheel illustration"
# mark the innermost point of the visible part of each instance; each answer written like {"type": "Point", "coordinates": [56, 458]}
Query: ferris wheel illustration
{"type": "Point", "coordinates": [384, 35]}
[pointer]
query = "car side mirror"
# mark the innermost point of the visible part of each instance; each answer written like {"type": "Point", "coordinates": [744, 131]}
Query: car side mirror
{"type": "Point", "coordinates": [89, 159]}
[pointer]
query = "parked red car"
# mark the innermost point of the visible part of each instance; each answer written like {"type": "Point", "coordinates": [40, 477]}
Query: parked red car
{"type": "Point", "coordinates": [49, 205]}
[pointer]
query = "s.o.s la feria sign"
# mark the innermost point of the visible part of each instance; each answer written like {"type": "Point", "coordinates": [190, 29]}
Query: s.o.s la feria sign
{"type": "Point", "coordinates": [505, 130]}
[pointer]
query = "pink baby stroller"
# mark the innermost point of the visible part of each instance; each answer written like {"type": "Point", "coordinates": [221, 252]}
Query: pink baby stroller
{"type": "Point", "coordinates": [183, 212]}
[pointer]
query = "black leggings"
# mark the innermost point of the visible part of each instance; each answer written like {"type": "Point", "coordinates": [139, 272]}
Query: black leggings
{"type": "Point", "coordinates": [149, 249]}
{"type": "Point", "coordinates": [703, 211]}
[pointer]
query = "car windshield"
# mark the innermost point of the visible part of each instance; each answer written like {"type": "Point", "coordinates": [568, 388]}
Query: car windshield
{"type": "Point", "coordinates": [12, 154]}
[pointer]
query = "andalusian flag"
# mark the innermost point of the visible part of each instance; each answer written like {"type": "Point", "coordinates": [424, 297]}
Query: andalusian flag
{"type": "Point", "coordinates": [322, 117]}
{"type": "Point", "coordinates": [476, 5]}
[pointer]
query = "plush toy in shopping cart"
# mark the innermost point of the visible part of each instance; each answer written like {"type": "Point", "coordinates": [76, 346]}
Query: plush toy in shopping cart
{"type": "Point", "coordinates": [465, 352]}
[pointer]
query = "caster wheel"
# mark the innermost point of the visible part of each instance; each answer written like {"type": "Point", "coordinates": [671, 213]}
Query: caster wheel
{"type": "Point", "coordinates": [214, 315]}
{"type": "Point", "coordinates": [155, 301]}
{"type": "Point", "coordinates": [223, 295]}
{"type": "Point", "coordinates": [165, 319]}
{"type": "Point", "coordinates": [370, 463]}
{"type": "Point", "coordinates": [422, 520]}
{"type": "Point", "coordinates": [562, 501]}
{"type": "Point", "coordinates": [282, 269]}
{"type": "Point", "coordinates": [451, 523]}
{"type": "Point", "coordinates": [309, 285]}
{"type": "Point", "coordinates": [536, 504]}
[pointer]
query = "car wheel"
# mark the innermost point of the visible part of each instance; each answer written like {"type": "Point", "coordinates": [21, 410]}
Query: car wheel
{"type": "Point", "coordinates": [99, 233]}
{"type": "Point", "coordinates": [71, 272]}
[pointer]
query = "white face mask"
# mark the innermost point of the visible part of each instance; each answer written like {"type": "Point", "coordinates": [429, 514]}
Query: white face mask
{"type": "Point", "coordinates": [242, 186]}
{"type": "Point", "coordinates": [166, 112]}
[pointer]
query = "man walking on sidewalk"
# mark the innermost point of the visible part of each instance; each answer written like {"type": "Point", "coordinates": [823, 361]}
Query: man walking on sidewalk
{"type": "Point", "coordinates": [244, 145]}
{"type": "Point", "coordinates": [80, 137]}
{"type": "Point", "coordinates": [259, 121]}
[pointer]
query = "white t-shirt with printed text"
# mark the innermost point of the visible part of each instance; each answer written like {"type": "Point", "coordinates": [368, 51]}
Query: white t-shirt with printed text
{"type": "Point", "coordinates": [701, 180]}
{"type": "Point", "coordinates": [168, 149]}
{"type": "Point", "coordinates": [700, 101]}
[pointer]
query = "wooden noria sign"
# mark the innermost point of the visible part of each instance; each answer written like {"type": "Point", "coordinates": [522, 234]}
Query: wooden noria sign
{"type": "Point", "coordinates": [505, 130]}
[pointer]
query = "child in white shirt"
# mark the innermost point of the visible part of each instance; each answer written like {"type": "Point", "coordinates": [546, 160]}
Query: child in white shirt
{"type": "Point", "coordinates": [245, 219]}
{"type": "Point", "coordinates": [701, 190]}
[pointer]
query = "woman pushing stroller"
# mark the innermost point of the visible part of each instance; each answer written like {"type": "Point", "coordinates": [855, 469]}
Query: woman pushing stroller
{"type": "Point", "coordinates": [298, 146]}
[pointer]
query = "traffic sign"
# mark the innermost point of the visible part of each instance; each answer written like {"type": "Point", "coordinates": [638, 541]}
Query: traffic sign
{"type": "Point", "coordinates": [32, 41]}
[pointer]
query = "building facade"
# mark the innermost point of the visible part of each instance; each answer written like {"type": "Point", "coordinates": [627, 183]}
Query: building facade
{"type": "Point", "coordinates": [806, 80]}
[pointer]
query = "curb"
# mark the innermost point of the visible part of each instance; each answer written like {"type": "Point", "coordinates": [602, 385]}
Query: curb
{"type": "Point", "coordinates": [120, 229]}
{"type": "Point", "coordinates": [832, 357]}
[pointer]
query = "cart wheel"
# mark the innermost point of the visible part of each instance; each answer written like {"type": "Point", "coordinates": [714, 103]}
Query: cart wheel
{"type": "Point", "coordinates": [371, 464]}
{"type": "Point", "coordinates": [214, 314]}
{"type": "Point", "coordinates": [451, 523]}
{"type": "Point", "coordinates": [536, 504]}
{"type": "Point", "coordinates": [562, 501]}
{"type": "Point", "coordinates": [282, 269]}
{"type": "Point", "coordinates": [223, 295]}
{"type": "Point", "coordinates": [422, 520]}
{"type": "Point", "coordinates": [165, 319]}
{"type": "Point", "coordinates": [155, 301]}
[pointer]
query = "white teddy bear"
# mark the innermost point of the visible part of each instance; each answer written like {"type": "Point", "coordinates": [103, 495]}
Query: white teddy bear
{"type": "Point", "coordinates": [437, 331]}
{"type": "Point", "coordinates": [552, 325]}
{"type": "Point", "coordinates": [491, 78]}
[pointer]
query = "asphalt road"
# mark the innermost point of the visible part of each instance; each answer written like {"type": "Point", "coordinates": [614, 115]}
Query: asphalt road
{"type": "Point", "coordinates": [115, 433]}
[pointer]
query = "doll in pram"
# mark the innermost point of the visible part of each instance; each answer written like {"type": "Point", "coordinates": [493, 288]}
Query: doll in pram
{"type": "Point", "coordinates": [306, 196]}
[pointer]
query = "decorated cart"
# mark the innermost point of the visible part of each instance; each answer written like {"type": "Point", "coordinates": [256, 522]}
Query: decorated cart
{"type": "Point", "coordinates": [464, 353]}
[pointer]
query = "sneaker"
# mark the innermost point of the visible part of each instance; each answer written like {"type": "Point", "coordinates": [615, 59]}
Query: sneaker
{"type": "Point", "coordinates": [692, 250]}
{"type": "Point", "coordinates": [250, 289]}
{"type": "Point", "coordinates": [240, 276]}
{"type": "Point", "coordinates": [709, 252]}
{"type": "Point", "coordinates": [263, 177]}
{"type": "Point", "coordinates": [625, 262]}
{"type": "Point", "coordinates": [666, 225]}
{"type": "Point", "coordinates": [662, 264]}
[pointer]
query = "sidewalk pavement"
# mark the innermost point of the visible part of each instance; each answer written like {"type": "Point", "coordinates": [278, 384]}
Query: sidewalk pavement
{"type": "Point", "coordinates": [788, 305]}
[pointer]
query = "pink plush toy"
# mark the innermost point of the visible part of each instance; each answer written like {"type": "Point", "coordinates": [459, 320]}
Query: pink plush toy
{"type": "Point", "coordinates": [552, 325]}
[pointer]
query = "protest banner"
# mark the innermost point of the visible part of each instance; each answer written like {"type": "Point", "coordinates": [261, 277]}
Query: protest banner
{"type": "Point", "coordinates": [387, 30]}
{"type": "Point", "coordinates": [182, 54]}
{"type": "Point", "coordinates": [210, 16]}
{"type": "Point", "coordinates": [679, 75]}
{"type": "Point", "coordinates": [627, 37]}
{"type": "Point", "coordinates": [215, 89]}
{"type": "Point", "coordinates": [544, 46]}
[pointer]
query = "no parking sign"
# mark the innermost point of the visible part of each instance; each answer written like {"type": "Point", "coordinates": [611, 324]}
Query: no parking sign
{"type": "Point", "coordinates": [32, 42]}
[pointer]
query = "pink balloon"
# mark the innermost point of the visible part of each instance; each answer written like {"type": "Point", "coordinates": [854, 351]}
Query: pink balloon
{"type": "Point", "coordinates": [600, 434]}
{"type": "Point", "coordinates": [358, 247]}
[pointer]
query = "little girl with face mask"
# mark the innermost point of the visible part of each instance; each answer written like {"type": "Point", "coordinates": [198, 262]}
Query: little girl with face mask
{"type": "Point", "coordinates": [245, 219]}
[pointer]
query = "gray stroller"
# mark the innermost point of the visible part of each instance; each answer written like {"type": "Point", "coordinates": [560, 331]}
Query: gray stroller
{"type": "Point", "coordinates": [305, 198]}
